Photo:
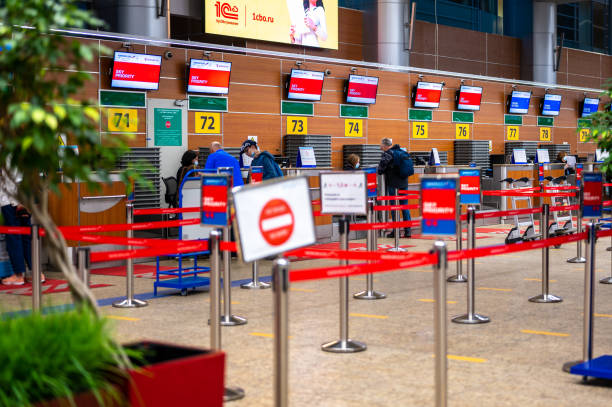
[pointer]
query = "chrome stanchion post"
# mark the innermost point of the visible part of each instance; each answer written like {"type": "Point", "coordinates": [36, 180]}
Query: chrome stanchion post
{"type": "Point", "coordinates": [396, 230]}
{"type": "Point", "coordinates": [589, 293]}
{"type": "Point", "coordinates": [372, 246]}
{"type": "Point", "coordinates": [471, 317]}
{"type": "Point", "coordinates": [578, 258]}
{"type": "Point", "coordinates": [227, 319]}
{"type": "Point", "coordinates": [280, 281]}
{"type": "Point", "coordinates": [459, 277]}
{"type": "Point", "coordinates": [384, 216]}
{"type": "Point", "coordinates": [440, 331]}
{"type": "Point", "coordinates": [83, 254]}
{"type": "Point", "coordinates": [36, 273]}
{"type": "Point", "coordinates": [545, 296]}
{"type": "Point", "coordinates": [255, 283]}
{"type": "Point", "coordinates": [230, 393]}
{"type": "Point", "coordinates": [130, 301]}
{"type": "Point", "coordinates": [344, 344]}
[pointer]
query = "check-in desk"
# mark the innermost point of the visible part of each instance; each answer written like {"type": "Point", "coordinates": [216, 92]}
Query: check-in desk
{"type": "Point", "coordinates": [591, 167]}
{"type": "Point", "coordinates": [503, 171]}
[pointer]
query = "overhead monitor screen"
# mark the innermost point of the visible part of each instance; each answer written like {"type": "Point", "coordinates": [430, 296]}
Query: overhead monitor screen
{"type": "Point", "coordinates": [362, 89]}
{"type": "Point", "coordinates": [469, 98]}
{"type": "Point", "coordinates": [589, 106]}
{"type": "Point", "coordinates": [209, 76]}
{"type": "Point", "coordinates": [519, 102]}
{"type": "Point", "coordinates": [551, 105]}
{"type": "Point", "coordinates": [136, 71]}
{"type": "Point", "coordinates": [427, 94]}
{"type": "Point", "coordinates": [305, 85]}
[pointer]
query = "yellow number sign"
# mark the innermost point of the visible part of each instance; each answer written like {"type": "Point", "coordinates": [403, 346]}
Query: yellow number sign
{"type": "Point", "coordinates": [297, 125]}
{"type": "Point", "coordinates": [584, 133]}
{"type": "Point", "coordinates": [123, 120]}
{"type": "Point", "coordinates": [545, 133]}
{"type": "Point", "coordinates": [512, 133]}
{"type": "Point", "coordinates": [419, 129]}
{"type": "Point", "coordinates": [353, 128]}
{"type": "Point", "coordinates": [462, 131]}
{"type": "Point", "coordinates": [207, 123]}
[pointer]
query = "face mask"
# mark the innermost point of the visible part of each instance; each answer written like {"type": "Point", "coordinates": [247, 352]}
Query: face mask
{"type": "Point", "coordinates": [357, 165]}
{"type": "Point", "coordinates": [195, 163]}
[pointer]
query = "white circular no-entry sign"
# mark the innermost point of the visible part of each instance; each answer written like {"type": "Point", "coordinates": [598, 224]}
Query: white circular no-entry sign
{"type": "Point", "coordinates": [276, 222]}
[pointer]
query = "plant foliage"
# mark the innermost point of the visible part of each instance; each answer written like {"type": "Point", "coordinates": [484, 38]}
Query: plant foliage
{"type": "Point", "coordinates": [601, 128]}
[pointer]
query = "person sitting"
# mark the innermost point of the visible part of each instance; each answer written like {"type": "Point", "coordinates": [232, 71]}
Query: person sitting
{"type": "Point", "coordinates": [189, 162]}
{"type": "Point", "coordinates": [219, 158]}
{"type": "Point", "coordinates": [351, 163]}
{"type": "Point", "coordinates": [264, 159]}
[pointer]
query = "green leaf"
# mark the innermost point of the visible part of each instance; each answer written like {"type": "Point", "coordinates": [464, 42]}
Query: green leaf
{"type": "Point", "coordinates": [92, 113]}
{"type": "Point", "coordinates": [51, 121]}
{"type": "Point", "coordinates": [60, 111]}
{"type": "Point", "coordinates": [26, 143]}
{"type": "Point", "coordinates": [38, 115]}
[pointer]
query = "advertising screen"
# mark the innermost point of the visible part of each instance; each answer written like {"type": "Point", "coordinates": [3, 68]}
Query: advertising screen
{"type": "Point", "coordinates": [209, 76]}
{"type": "Point", "coordinates": [305, 85]}
{"type": "Point", "coordinates": [589, 106]}
{"type": "Point", "coordinates": [136, 71]}
{"type": "Point", "coordinates": [519, 102]}
{"type": "Point", "coordinates": [427, 94]}
{"type": "Point", "coordinates": [469, 98]}
{"type": "Point", "coordinates": [287, 21]}
{"type": "Point", "coordinates": [551, 105]}
{"type": "Point", "coordinates": [362, 89]}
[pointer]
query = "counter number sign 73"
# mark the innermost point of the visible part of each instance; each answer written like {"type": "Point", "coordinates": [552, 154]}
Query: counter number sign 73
{"type": "Point", "coordinates": [297, 125]}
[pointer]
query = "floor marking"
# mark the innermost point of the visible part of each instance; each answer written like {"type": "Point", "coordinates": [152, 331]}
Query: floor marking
{"type": "Point", "coordinates": [369, 316]}
{"type": "Point", "coordinates": [529, 331]}
{"type": "Point", "coordinates": [264, 335]}
{"type": "Point", "coordinates": [603, 315]}
{"type": "Point", "coordinates": [432, 300]}
{"type": "Point", "coordinates": [539, 279]}
{"type": "Point", "coordinates": [303, 290]}
{"type": "Point", "coordinates": [122, 318]}
{"type": "Point", "coordinates": [495, 289]}
{"type": "Point", "coordinates": [466, 359]}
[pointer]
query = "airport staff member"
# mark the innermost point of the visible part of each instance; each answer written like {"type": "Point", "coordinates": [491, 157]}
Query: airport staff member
{"type": "Point", "coordinates": [219, 158]}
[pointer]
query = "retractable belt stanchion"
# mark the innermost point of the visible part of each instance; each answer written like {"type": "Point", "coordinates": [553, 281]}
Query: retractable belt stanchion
{"type": "Point", "coordinates": [83, 254]}
{"type": "Point", "coordinates": [440, 323]}
{"type": "Point", "coordinates": [471, 317]}
{"type": "Point", "coordinates": [578, 258]}
{"type": "Point", "coordinates": [589, 293]}
{"type": "Point", "coordinates": [372, 246]}
{"type": "Point", "coordinates": [36, 274]}
{"type": "Point", "coordinates": [255, 283]}
{"type": "Point", "coordinates": [280, 282]}
{"type": "Point", "coordinates": [344, 344]}
{"type": "Point", "coordinates": [227, 319]}
{"type": "Point", "coordinates": [544, 224]}
{"type": "Point", "coordinates": [459, 277]}
{"type": "Point", "coordinates": [230, 393]}
{"type": "Point", "coordinates": [396, 232]}
{"type": "Point", "coordinates": [130, 301]}
{"type": "Point", "coordinates": [384, 216]}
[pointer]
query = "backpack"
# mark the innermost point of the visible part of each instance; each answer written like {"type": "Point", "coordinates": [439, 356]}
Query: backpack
{"type": "Point", "coordinates": [402, 163]}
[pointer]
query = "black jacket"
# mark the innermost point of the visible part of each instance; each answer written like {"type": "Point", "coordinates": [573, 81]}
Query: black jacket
{"type": "Point", "coordinates": [385, 166]}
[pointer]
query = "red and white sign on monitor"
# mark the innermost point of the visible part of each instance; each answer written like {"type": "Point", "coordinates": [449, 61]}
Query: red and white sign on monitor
{"type": "Point", "coordinates": [305, 85]}
{"type": "Point", "coordinates": [136, 71]}
{"type": "Point", "coordinates": [209, 76]}
{"type": "Point", "coordinates": [362, 89]}
{"type": "Point", "coordinates": [428, 94]}
{"type": "Point", "coordinates": [469, 98]}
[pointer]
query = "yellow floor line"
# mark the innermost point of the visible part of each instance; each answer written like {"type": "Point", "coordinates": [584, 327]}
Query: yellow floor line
{"type": "Point", "coordinates": [264, 335]}
{"type": "Point", "coordinates": [529, 331]}
{"type": "Point", "coordinates": [539, 279]}
{"type": "Point", "coordinates": [495, 289]}
{"type": "Point", "coordinates": [466, 359]}
{"type": "Point", "coordinates": [122, 318]}
{"type": "Point", "coordinates": [369, 316]}
{"type": "Point", "coordinates": [432, 300]}
{"type": "Point", "coordinates": [603, 315]}
{"type": "Point", "coordinates": [303, 290]}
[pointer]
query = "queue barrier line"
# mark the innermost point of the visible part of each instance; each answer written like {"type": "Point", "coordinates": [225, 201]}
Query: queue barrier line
{"type": "Point", "coordinates": [165, 211]}
{"type": "Point", "coordinates": [353, 255]}
{"type": "Point", "coordinates": [385, 225]}
{"type": "Point", "coordinates": [408, 192]}
{"type": "Point", "coordinates": [512, 192]}
{"type": "Point", "coordinates": [606, 203]}
{"type": "Point", "coordinates": [133, 226]}
{"type": "Point", "coordinates": [316, 202]}
{"type": "Point", "coordinates": [15, 230]}
{"type": "Point", "coordinates": [607, 185]}
{"type": "Point", "coordinates": [396, 197]}
{"type": "Point", "coordinates": [564, 208]}
{"type": "Point", "coordinates": [561, 188]}
{"type": "Point", "coordinates": [395, 207]}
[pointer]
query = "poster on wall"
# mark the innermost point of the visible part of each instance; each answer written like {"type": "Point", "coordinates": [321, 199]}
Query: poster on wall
{"type": "Point", "coordinates": [312, 23]}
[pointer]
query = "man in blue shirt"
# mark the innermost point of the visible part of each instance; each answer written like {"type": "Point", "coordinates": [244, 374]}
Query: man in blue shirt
{"type": "Point", "coordinates": [219, 158]}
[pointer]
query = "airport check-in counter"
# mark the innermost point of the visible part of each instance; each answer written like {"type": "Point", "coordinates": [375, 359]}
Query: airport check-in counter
{"type": "Point", "coordinates": [591, 167]}
{"type": "Point", "coordinates": [503, 171]}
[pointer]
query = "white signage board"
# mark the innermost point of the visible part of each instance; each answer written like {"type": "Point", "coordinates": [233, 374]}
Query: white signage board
{"type": "Point", "coordinates": [434, 157]}
{"type": "Point", "coordinates": [273, 217]}
{"type": "Point", "coordinates": [519, 155]}
{"type": "Point", "coordinates": [343, 193]}
{"type": "Point", "coordinates": [306, 157]}
{"type": "Point", "coordinates": [543, 156]}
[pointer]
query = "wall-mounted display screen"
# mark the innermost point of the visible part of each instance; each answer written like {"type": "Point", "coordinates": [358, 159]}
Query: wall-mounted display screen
{"type": "Point", "coordinates": [136, 71]}
{"type": "Point", "coordinates": [519, 102]}
{"type": "Point", "coordinates": [309, 23]}
{"type": "Point", "coordinates": [209, 76]}
{"type": "Point", "coordinates": [469, 98]}
{"type": "Point", "coordinates": [551, 105]}
{"type": "Point", "coordinates": [305, 85]}
{"type": "Point", "coordinates": [589, 106]}
{"type": "Point", "coordinates": [362, 89]}
{"type": "Point", "coordinates": [427, 94]}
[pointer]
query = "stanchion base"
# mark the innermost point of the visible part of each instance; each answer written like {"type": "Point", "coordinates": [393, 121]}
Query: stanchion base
{"type": "Point", "coordinates": [609, 249]}
{"type": "Point", "coordinates": [255, 285]}
{"type": "Point", "coordinates": [127, 303]}
{"type": "Point", "coordinates": [348, 346]}
{"type": "Point", "coordinates": [369, 295]}
{"type": "Point", "coordinates": [457, 278]}
{"type": "Point", "coordinates": [232, 320]}
{"type": "Point", "coordinates": [576, 260]}
{"type": "Point", "coordinates": [607, 280]}
{"type": "Point", "coordinates": [396, 249]}
{"type": "Point", "coordinates": [471, 319]}
{"type": "Point", "coordinates": [542, 298]}
{"type": "Point", "coordinates": [568, 365]}
{"type": "Point", "coordinates": [233, 393]}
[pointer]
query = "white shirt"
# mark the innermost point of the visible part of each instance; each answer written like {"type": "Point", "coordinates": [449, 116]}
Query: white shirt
{"type": "Point", "coordinates": [317, 15]}
{"type": "Point", "coordinates": [7, 189]}
{"type": "Point", "coordinates": [570, 160]}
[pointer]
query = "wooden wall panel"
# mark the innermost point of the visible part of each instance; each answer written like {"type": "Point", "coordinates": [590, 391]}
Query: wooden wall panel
{"type": "Point", "coordinates": [237, 127]}
{"type": "Point", "coordinates": [253, 98]}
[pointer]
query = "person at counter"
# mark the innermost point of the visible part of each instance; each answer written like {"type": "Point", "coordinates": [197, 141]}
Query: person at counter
{"type": "Point", "coordinates": [351, 163]}
{"type": "Point", "coordinates": [263, 159]}
{"type": "Point", "coordinates": [396, 164]}
{"type": "Point", "coordinates": [189, 161]}
{"type": "Point", "coordinates": [568, 160]}
{"type": "Point", "coordinates": [219, 158]}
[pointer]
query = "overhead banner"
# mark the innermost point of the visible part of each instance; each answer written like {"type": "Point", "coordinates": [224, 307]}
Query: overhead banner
{"type": "Point", "coordinates": [288, 21]}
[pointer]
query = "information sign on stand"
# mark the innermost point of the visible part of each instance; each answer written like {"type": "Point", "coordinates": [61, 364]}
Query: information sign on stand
{"type": "Point", "coordinates": [214, 203]}
{"type": "Point", "coordinates": [540, 172]}
{"type": "Point", "coordinates": [343, 193]}
{"type": "Point", "coordinates": [592, 195]}
{"type": "Point", "coordinates": [542, 156]}
{"type": "Point", "coordinates": [434, 157]}
{"type": "Point", "coordinates": [579, 167]}
{"type": "Point", "coordinates": [439, 200]}
{"type": "Point", "coordinates": [256, 175]}
{"type": "Point", "coordinates": [519, 156]}
{"type": "Point", "coordinates": [372, 180]}
{"type": "Point", "coordinates": [469, 186]}
{"type": "Point", "coordinates": [273, 217]}
{"type": "Point", "coordinates": [306, 158]}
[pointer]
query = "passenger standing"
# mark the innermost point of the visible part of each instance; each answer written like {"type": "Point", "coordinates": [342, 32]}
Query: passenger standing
{"type": "Point", "coordinates": [397, 166]}
{"type": "Point", "coordinates": [219, 158]}
{"type": "Point", "coordinates": [189, 162]}
{"type": "Point", "coordinates": [264, 159]}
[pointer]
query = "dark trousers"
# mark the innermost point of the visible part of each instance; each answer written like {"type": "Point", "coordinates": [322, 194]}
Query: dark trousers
{"type": "Point", "coordinates": [17, 246]}
{"type": "Point", "coordinates": [391, 191]}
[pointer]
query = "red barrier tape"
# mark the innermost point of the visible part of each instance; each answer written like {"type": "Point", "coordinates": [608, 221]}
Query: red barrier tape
{"type": "Point", "coordinates": [562, 188]}
{"type": "Point", "coordinates": [408, 192]}
{"type": "Point", "coordinates": [228, 246]}
{"type": "Point", "coordinates": [124, 227]}
{"type": "Point", "coordinates": [607, 185]}
{"type": "Point", "coordinates": [384, 225]}
{"type": "Point", "coordinates": [15, 230]}
{"type": "Point", "coordinates": [164, 211]}
{"type": "Point", "coordinates": [187, 247]}
{"type": "Point", "coordinates": [604, 233]}
{"type": "Point", "coordinates": [606, 203]}
{"type": "Point", "coordinates": [486, 215]}
{"type": "Point", "coordinates": [124, 241]}
{"type": "Point", "coordinates": [564, 208]}
{"type": "Point", "coordinates": [394, 198]}
{"type": "Point", "coordinates": [316, 202]}
{"type": "Point", "coordinates": [511, 192]}
{"type": "Point", "coordinates": [353, 255]}
{"type": "Point", "coordinates": [395, 207]}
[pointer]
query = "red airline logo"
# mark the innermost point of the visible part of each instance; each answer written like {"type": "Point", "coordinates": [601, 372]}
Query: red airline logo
{"type": "Point", "coordinates": [226, 11]}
